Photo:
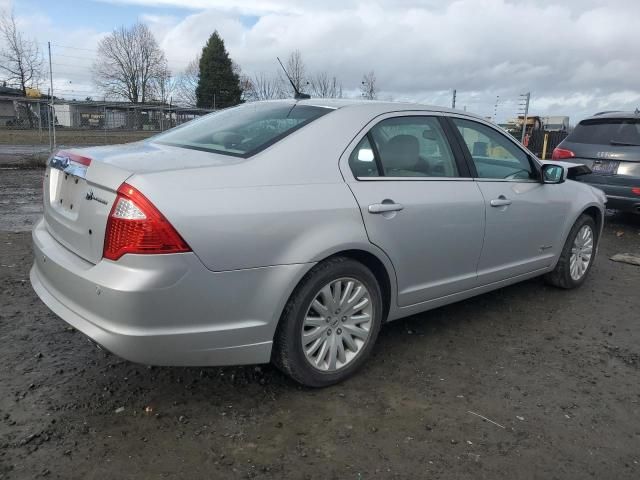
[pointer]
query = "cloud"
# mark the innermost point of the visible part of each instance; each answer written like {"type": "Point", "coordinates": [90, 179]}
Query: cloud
{"type": "Point", "coordinates": [72, 55]}
{"type": "Point", "coordinates": [556, 50]}
{"type": "Point", "coordinates": [574, 56]}
{"type": "Point", "coordinates": [6, 5]}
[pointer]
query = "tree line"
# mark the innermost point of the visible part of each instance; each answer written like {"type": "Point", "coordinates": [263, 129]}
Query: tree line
{"type": "Point", "coordinates": [130, 65]}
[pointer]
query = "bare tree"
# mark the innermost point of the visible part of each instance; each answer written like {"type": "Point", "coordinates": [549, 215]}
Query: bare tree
{"type": "Point", "coordinates": [322, 85]}
{"type": "Point", "coordinates": [297, 71]}
{"type": "Point", "coordinates": [263, 87]}
{"type": "Point", "coordinates": [20, 58]}
{"type": "Point", "coordinates": [129, 62]}
{"type": "Point", "coordinates": [368, 87]}
{"type": "Point", "coordinates": [243, 80]}
{"type": "Point", "coordinates": [188, 82]}
{"type": "Point", "coordinates": [164, 84]}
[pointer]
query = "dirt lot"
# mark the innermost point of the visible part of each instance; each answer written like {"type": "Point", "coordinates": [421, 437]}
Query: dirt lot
{"type": "Point", "coordinates": [557, 371]}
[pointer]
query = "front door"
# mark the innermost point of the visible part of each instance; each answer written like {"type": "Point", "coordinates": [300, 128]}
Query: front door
{"type": "Point", "coordinates": [523, 215]}
{"type": "Point", "coordinates": [419, 206]}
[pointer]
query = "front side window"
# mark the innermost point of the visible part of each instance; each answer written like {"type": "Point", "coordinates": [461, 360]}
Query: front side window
{"type": "Point", "coordinates": [404, 147]}
{"type": "Point", "coordinates": [244, 130]}
{"type": "Point", "coordinates": [494, 155]}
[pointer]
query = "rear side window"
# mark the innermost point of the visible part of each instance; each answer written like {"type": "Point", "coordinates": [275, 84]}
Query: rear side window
{"type": "Point", "coordinates": [363, 161]}
{"type": "Point", "coordinates": [242, 131]}
{"type": "Point", "coordinates": [607, 131]}
{"type": "Point", "coordinates": [404, 147]}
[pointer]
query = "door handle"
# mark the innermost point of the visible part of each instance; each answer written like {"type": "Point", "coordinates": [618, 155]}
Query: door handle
{"type": "Point", "coordinates": [501, 201]}
{"type": "Point", "coordinates": [385, 207]}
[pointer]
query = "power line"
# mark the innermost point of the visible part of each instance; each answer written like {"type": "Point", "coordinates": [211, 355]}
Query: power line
{"type": "Point", "coordinates": [74, 48]}
{"type": "Point", "coordinates": [176, 63]}
{"type": "Point", "coordinates": [75, 91]}
{"type": "Point", "coordinates": [74, 56]}
{"type": "Point", "coordinates": [68, 65]}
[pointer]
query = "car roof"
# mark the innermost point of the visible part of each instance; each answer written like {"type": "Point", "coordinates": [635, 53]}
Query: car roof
{"type": "Point", "coordinates": [615, 114]}
{"type": "Point", "coordinates": [375, 107]}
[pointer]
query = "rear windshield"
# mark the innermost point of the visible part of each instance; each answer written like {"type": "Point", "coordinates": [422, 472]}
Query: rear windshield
{"type": "Point", "coordinates": [607, 131]}
{"type": "Point", "coordinates": [242, 131]}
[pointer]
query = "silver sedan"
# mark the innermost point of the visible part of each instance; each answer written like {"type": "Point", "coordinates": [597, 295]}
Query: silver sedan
{"type": "Point", "coordinates": [291, 231]}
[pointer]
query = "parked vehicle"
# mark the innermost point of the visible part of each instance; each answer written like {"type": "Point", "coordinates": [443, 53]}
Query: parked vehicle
{"type": "Point", "coordinates": [555, 124]}
{"type": "Point", "coordinates": [609, 144]}
{"type": "Point", "coordinates": [291, 231]}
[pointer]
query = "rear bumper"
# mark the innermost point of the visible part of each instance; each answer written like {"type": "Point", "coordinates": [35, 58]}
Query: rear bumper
{"type": "Point", "coordinates": [164, 309]}
{"type": "Point", "coordinates": [618, 191]}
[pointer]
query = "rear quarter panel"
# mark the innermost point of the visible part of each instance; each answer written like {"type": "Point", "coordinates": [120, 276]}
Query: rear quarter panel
{"type": "Point", "coordinates": [288, 204]}
{"type": "Point", "coordinates": [249, 227]}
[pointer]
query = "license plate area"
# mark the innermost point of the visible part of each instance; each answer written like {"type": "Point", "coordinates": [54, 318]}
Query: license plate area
{"type": "Point", "coordinates": [605, 167]}
{"type": "Point", "coordinates": [67, 172]}
{"type": "Point", "coordinates": [65, 192]}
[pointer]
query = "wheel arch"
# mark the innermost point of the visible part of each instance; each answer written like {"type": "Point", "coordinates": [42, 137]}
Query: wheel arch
{"type": "Point", "coordinates": [370, 256]}
{"type": "Point", "coordinates": [593, 210]}
{"type": "Point", "coordinates": [378, 269]}
{"type": "Point", "coordinates": [598, 217]}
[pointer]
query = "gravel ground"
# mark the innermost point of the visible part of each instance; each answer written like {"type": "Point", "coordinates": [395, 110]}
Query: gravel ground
{"type": "Point", "coordinates": [557, 371]}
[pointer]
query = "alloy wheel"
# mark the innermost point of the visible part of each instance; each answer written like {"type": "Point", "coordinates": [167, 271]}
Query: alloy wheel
{"type": "Point", "coordinates": [581, 253]}
{"type": "Point", "coordinates": [337, 324]}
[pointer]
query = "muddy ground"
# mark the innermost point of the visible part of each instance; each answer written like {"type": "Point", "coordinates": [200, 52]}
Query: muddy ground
{"type": "Point", "coordinates": [557, 371]}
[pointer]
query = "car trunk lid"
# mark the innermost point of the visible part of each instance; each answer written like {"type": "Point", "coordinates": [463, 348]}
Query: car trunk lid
{"type": "Point", "coordinates": [80, 187]}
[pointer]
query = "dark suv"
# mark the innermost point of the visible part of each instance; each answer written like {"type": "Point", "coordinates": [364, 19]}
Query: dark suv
{"type": "Point", "coordinates": [609, 144]}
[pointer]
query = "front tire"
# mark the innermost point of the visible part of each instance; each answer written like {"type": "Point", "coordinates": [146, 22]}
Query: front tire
{"type": "Point", "coordinates": [577, 255]}
{"type": "Point", "coordinates": [330, 324]}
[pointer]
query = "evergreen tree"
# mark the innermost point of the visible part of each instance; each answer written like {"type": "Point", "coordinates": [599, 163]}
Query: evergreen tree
{"type": "Point", "coordinates": [218, 85]}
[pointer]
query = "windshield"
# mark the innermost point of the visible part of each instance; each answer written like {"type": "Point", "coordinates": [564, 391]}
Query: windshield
{"type": "Point", "coordinates": [607, 131]}
{"type": "Point", "coordinates": [242, 131]}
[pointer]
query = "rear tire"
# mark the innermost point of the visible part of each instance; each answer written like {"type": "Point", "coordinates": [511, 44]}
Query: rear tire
{"type": "Point", "coordinates": [337, 340]}
{"type": "Point", "coordinates": [573, 266]}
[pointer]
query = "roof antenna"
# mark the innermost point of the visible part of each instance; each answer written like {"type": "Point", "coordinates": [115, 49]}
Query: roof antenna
{"type": "Point", "coordinates": [299, 95]}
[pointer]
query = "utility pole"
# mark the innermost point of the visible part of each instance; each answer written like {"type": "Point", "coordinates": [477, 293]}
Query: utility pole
{"type": "Point", "coordinates": [495, 109]}
{"type": "Point", "coordinates": [49, 120]}
{"type": "Point", "coordinates": [526, 97]}
{"type": "Point", "coordinates": [453, 99]}
{"type": "Point", "coordinates": [104, 119]}
{"type": "Point", "coordinates": [53, 113]}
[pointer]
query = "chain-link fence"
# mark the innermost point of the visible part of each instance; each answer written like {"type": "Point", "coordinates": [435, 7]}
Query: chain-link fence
{"type": "Point", "coordinates": [25, 121]}
{"type": "Point", "coordinates": [542, 142]}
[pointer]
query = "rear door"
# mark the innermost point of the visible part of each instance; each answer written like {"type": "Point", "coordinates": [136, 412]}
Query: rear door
{"type": "Point", "coordinates": [418, 204]}
{"type": "Point", "coordinates": [524, 217]}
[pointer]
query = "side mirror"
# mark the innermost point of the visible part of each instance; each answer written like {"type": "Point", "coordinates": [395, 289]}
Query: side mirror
{"type": "Point", "coordinates": [553, 173]}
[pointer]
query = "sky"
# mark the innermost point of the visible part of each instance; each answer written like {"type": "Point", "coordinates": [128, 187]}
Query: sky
{"type": "Point", "coordinates": [575, 57]}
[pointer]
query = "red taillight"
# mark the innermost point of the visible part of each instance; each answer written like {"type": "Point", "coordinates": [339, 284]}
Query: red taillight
{"type": "Point", "coordinates": [635, 190]}
{"type": "Point", "coordinates": [560, 153]}
{"type": "Point", "coordinates": [136, 226]}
